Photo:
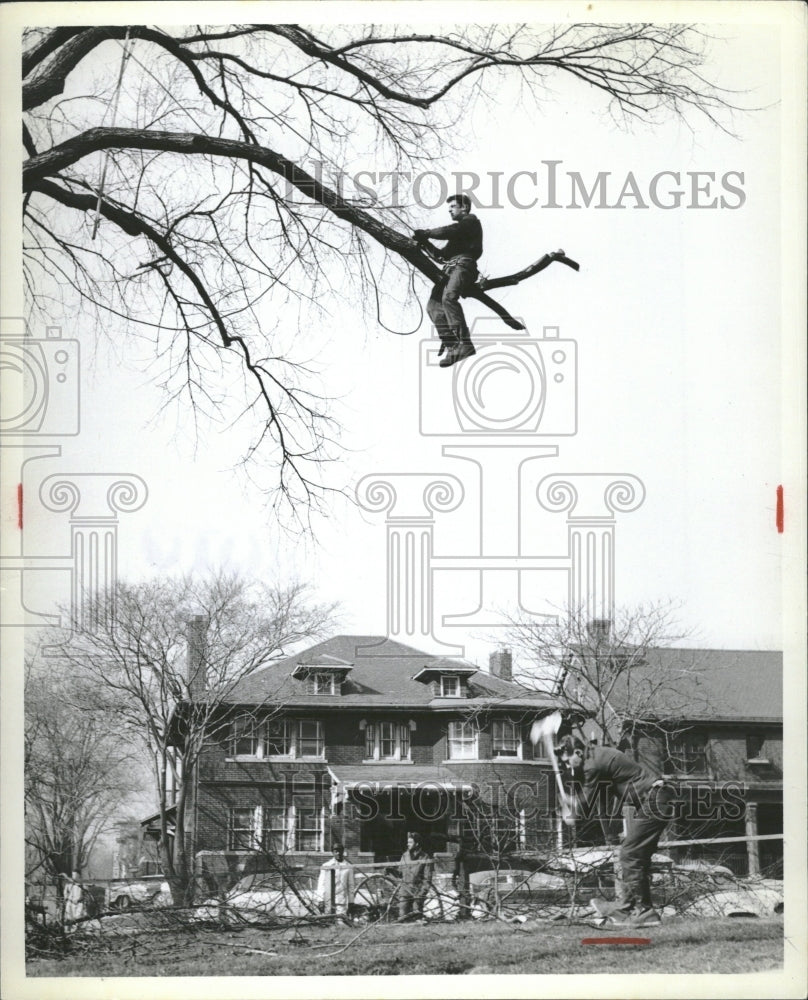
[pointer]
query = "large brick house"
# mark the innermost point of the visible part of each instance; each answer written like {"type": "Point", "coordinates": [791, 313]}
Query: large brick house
{"type": "Point", "coordinates": [360, 739]}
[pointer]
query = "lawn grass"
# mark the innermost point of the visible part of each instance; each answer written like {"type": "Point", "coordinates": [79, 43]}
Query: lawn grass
{"type": "Point", "coordinates": [678, 946]}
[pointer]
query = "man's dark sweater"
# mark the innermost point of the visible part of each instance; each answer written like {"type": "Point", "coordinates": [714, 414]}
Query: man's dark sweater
{"type": "Point", "coordinates": [465, 238]}
{"type": "Point", "coordinates": [607, 767]}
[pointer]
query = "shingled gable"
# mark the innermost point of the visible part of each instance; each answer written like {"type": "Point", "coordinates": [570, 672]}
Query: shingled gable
{"type": "Point", "coordinates": [382, 674]}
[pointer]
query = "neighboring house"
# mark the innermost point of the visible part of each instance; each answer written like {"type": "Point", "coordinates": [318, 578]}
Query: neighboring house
{"type": "Point", "coordinates": [719, 733]}
{"type": "Point", "coordinates": [359, 740]}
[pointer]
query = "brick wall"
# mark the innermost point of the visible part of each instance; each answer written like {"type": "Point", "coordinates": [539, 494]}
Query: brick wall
{"type": "Point", "coordinates": [225, 783]}
{"type": "Point", "coordinates": [345, 744]}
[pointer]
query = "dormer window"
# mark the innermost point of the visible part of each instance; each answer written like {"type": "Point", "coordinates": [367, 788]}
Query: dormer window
{"type": "Point", "coordinates": [320, 682]}
{"type": "Point", "coordinates": [450, 686]}
{"type": "Point", "coordinates": [447, 678]}
{"type": "Point", "coordinates": [325, 676]}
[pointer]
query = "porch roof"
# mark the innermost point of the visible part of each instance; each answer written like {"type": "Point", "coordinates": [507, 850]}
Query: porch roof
{"type": "Point", "coordinates": [397, 776]}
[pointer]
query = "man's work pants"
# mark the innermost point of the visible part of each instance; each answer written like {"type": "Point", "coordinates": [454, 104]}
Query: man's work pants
{"type": "Point", "coordinates": [639, 845]}
{"type": "Point", "coordinates": [444, 307]}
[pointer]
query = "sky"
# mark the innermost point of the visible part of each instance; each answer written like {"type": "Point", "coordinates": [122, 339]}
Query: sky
{"type": "Point", "coordinates": [681, 339]}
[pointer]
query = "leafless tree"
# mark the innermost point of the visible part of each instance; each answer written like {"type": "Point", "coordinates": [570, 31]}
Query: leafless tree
{"type": "Point", "coordinates": [177, 183]}
{"type": "Point", "coordinates": [627, 675]}
{"type": "Point", "coordinates": [169, 690]}
{"type": "Point", "coordinates": [78, 771]}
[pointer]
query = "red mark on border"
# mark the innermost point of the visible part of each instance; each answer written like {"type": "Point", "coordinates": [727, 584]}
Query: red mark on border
{"type": "Point", "coordinates": [780, 515]}
{"type": "Point", "coordinates": [616, 940]}
{"type": "Point", "coordinates": [19, 506]}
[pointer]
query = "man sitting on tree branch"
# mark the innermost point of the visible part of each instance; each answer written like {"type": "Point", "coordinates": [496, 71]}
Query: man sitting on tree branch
{"type": "Point", "coordinates": [460, 279]}
{"type": "Point", "coordinates": [464, 247]}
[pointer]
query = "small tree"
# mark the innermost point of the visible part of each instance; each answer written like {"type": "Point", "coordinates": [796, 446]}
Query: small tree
{"type": "Point", "coordinates": [78, 770]}
{"type": "Point", "coordinates": [167, 688]}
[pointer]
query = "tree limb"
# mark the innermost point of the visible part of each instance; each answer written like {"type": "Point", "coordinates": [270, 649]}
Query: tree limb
{"type": "Point", "coordinates": [54, 160]}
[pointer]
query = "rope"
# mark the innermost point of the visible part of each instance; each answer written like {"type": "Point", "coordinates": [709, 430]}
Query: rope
{"type": "Point", "coordinates": [124, 59]}
{"type": "Point", "coordinates": [398, 333]}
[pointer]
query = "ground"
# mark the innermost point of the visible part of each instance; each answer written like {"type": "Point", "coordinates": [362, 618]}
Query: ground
{"type": "Point", "coordinates": [705, 946]}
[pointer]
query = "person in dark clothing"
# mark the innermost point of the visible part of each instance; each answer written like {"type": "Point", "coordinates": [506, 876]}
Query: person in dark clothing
{"type": "Point", "coordinates": [461, 881]}
{"type": "Point", "coordinates": [416, 874]}
{"type": "Point", "coordinates": [464, 247]}
{"type": "Point", "coordinates": [599, 769]}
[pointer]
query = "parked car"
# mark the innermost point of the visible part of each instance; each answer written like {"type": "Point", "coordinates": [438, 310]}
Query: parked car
{"type": "Point", "coordinates": [259, 898]}
{"type": "Point", "coordinates": [718, 893]}
{"type": "Point", "coordinates": [148, 890]}
{"type": "Point", "coordinates": [518, 891]}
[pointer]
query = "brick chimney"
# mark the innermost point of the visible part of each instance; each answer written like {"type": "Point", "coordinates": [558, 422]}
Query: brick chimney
{"type": "Point", "coordinates": [500, 663]}
{"type": "Point", "coordinates": [195, 660]}
{"type": "Point", "coordinates": [599, 629]}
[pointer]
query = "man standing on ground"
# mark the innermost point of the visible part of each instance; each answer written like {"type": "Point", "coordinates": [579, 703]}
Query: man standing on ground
{"type": "Point", "coordinates": [344, 883]}
{"type": "Point", "coordinates": [464, 247]}
{"type": "Point", "coordinates": [416, 874]}
{"type": "Point", "coordinates": [603, 768]}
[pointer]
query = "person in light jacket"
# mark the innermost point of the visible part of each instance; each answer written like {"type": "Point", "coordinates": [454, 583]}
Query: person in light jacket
{"type": "Point", "coordinates": [75, 908]}
{"type": "Point", "coordinates": [344, 883]}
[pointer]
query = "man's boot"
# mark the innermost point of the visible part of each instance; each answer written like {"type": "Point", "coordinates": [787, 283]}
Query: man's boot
{"type": "Point", "coordinates": [463, 348]}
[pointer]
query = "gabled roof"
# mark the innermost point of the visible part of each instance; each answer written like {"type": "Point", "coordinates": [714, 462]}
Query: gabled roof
{"type": "Point", "coordinates": [382, 676]}
{"type": "Point", "coordinates": [721, 685]}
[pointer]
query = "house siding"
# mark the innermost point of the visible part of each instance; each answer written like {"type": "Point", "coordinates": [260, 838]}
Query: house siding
{"type": "Point", "coordinates": [225, 783]}
{"type": "Point", "coordinates": [731, 798]}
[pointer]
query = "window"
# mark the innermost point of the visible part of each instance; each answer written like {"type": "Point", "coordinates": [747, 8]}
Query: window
{"type": "Point", "coordinates": [462, 741]}
{"type": "Point", "coordinates": [688, 754]}
{"type": "Point", "coordinates": [279, 738]}
{"type": "Point", "coordinates": [278, 828]}
{"type": "Point", "coordinates": [275, 829]}
{"type": "Point", "coordinates": [495, 832]}
{"type": "Point", "coordinates": [308, 825]}
{"type": "Point", "coordinates": [245, 829]}
{"type": "Point", "coordinates": [449, 686]}
{"type": "Point", "coordinates": [387, 741]}
{"type": "Point", "coordinates": [755, 748]}
{"type": "Point", "coordinates": [507, 739]}
{"type": "Point", "coordinates": [276, 738]}
{"type": "Point", "coordinates": [310, 739]}
{"type": "Point", "coordinates": [320, 682]}
{"type": "Point", "coordinates": [244, 738]}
